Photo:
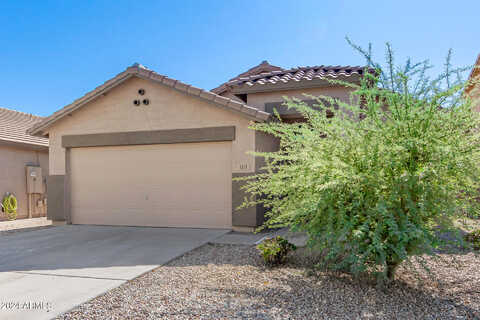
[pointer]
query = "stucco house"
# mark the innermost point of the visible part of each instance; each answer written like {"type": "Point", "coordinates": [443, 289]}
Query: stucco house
{"type": "Point", "coordinates": [143, 149]}
{"type": "Point", "coordinates": [19, 152]}
{"type": "Point", "coordinates": [473, 90]}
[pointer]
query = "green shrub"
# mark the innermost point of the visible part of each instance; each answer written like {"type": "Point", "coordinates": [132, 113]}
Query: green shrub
{"type": "Point", "coordinates": [275, 250]}
{"type": "Point", "coordinates": [474, 239]}
{"type": "Point", "coordinates": [374, 184]}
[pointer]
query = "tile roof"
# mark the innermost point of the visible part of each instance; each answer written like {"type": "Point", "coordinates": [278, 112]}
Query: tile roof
{"type": "Point", "coordinates": [299, 74]}
{"type": "Point", "coordinates": [294, 75]}
{"type": "Point", "coordinates": [142, 72]}
{"type": "Point", "coordinates": [13, 127]}
{"type": "Point", "coordinates": [263, 67]}
{"type": "Point", "coordinates": [473, 75]}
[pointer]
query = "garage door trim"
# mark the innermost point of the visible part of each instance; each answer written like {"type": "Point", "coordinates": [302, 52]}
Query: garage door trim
{"type": "Point", "coordinates": [207, 134]}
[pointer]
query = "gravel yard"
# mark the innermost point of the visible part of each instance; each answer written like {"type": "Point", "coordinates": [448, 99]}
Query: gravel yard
{"type": "Point", "coordinates": [230, 282]}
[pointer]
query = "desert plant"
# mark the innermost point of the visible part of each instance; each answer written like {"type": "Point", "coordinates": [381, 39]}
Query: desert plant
{"type": "Point", "coordinates": [275, 250]}
{"type": "Point", "coordinates": [374, 184]}
{"type": "Point", "coordinates": [474, 239]}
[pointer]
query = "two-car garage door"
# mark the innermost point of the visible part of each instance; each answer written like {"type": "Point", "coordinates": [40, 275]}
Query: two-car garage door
{"type": "Point", "coordinates": [164, 185]}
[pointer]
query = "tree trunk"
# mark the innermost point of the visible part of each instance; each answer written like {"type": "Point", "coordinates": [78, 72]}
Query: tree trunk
{"type": "Point", "coordinates": [391, 268]}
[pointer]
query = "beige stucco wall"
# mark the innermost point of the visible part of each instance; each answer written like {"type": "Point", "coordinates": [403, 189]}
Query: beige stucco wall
{"type": "Point", "coordinates": [168, 109]}
{"type": "Point", "coordinates": [13, 176]}
{"type": "Point", "coordinates": [264, 143]}
{"type": "Point", "coordinates": [259, 99]}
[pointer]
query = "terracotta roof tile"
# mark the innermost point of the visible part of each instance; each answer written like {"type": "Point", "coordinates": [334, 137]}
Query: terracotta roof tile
{"type": "Point", "coordinates": [299, 74]}
{"type": "Point", "coordinates": [13, 127]}
{"type": "Point", "coordinates": [263, 67]}
{"type": "Point", "coordinates": [181, 86]}
{"type": "Point", "coordinates": [194, 90]}
{"type": "Point", "coordinates": [281, 76]}
{"type": "Point", "coordinates": [234, 104]}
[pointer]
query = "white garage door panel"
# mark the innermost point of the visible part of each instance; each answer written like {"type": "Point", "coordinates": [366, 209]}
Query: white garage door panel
{"type": "Point", "coordinates": [168, 185]}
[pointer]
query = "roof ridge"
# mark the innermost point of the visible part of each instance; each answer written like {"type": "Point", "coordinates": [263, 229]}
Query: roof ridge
{"type": "Point", "coordinates": [21, 113]}
{"type": "Point", "coordinates": [299, 73]}
{"type": "Point", "coordinates": [264, 64]}
{"type": "Point", "coordinates": [298, 68]}
{"type": "Point", "coordinates": [144, 73]}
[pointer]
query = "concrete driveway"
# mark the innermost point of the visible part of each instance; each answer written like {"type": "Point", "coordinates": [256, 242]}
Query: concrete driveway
{"type": "Point", "coordinates": [46, 272]}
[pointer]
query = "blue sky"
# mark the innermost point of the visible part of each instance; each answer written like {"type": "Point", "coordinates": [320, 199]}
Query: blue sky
{"type": "Point", "coordinates": [53, 52]}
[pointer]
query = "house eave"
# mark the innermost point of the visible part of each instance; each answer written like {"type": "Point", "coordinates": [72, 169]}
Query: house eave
{"type": "Point", "coordinates": [291, 85]}
{"type": "Point", "coordinates": [23, 145]}
{"type": "Point", "coordinates": [39, 129]}
{"type": "Point", "coordinates": [210, 97]}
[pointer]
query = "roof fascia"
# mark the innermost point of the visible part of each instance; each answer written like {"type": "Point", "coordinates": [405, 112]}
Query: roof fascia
{"type": "Point", "coordinates": [37, 130]}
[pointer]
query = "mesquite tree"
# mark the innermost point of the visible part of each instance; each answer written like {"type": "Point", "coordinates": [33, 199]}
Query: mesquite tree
{"type": "Point", "coordinates": [375, 183]}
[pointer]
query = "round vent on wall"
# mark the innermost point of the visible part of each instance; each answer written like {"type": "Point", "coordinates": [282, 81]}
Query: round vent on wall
{"type": "Point", "coordinates": [136, 102]}
{"type": "Point", "coordinates": [141, 92]}
{"type": "Point", "coordinates": [146, 102]}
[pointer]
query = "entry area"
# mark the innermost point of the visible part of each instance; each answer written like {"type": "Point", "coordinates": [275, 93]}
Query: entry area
{"type": "Point", "coordinates": [160, 185]}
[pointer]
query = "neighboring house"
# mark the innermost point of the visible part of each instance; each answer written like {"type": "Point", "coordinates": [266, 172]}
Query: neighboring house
{"type": "Point", "coordinates": [18, 151]}
{"type": "Point", "coordinates": [473, 90]}
{"type": "Point", "coordinates": [146, 150]}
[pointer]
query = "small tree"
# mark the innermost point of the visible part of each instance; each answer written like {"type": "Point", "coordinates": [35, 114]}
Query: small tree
{"type": "Point", "coordinates": [374, 184]}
